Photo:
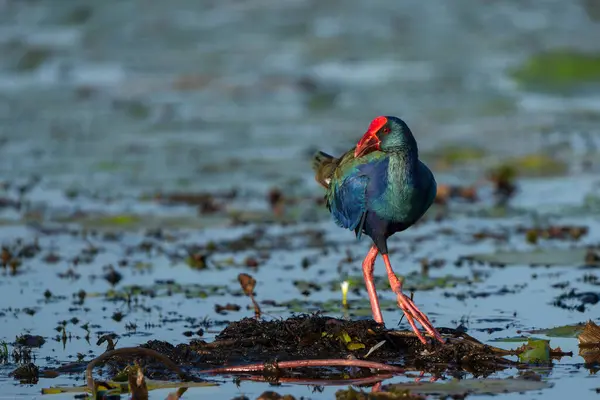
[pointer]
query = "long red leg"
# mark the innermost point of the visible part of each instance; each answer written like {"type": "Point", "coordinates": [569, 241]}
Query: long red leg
{"type": "Point", "coordinates": [368, 267]}
{"type": "Point", "coordinates": [408, 306]}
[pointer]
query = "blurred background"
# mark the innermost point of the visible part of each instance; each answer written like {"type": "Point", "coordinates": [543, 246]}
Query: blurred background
{"type": "Point", "coordinates": [128, 97]}
{"type": "Point", "coordinates": [200, 117]}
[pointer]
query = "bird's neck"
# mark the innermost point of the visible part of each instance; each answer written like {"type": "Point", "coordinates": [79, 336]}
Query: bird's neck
{"type": "Point", "coordinates": [403, 165]}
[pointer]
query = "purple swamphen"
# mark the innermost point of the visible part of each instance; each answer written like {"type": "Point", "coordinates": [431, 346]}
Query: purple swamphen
{"type": "Point", "coordinates": [380, 188]}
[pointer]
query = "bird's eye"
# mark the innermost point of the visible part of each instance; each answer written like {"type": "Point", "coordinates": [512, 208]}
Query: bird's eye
{"type": "Point", "coordinates": [386, 129]}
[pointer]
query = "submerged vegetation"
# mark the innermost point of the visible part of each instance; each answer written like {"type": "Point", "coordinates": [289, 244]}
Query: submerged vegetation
{"type": "Point", "coordinates": [559, 69]}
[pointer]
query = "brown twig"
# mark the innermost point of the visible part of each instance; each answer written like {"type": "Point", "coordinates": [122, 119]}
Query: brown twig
{"type": "Point", "coordinates": [332, 362]}
{"type": "Point", "coordinates": [137, 384]}
{"type": "Point", "coordinates": [128, 352]}
{"type": "Point", "coordinates": [257, 311]}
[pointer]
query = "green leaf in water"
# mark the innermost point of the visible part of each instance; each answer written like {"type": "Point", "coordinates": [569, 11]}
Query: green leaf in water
{"type": "Point", "coordinates": [535, 351]}
{"type": "Point", "coordinates": [514, 339]}
{"type": "Point", "coordinates": [452, 155]}
{"type": "Point", "coordinates": [537, 164]}
{"type": "Point", "coordinates": [454, 388]}
{"type": "Point", "coordinates": [33, 58]}
{"type": "Point", "coordinates": [558, 69]}
{"type": "Point", "coordinates": [565, 331]}
{"type": "Point", "coordinates": [549, 257]}
{"type": "Point", "coordinates": [165, 289]}
{"type": "Point", "coordinates": [124, 388]}
{"type": "Point", "coordinates": [413, 281]}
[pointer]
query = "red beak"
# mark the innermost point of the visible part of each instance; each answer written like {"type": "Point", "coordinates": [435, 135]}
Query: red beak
{"type": "Point", "coordinates": [370, 142]}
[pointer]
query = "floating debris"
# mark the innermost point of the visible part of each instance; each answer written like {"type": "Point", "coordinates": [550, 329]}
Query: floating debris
{"type": "Point", "coordinates": [248, 284]}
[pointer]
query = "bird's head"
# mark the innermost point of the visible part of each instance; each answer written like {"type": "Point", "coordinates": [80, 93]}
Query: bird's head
{"type": "Point", "coordinates": [385, 134]}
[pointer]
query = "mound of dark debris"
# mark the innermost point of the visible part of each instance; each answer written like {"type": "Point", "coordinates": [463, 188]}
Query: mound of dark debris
{"type": "Point", "coordinates": [316, 337]}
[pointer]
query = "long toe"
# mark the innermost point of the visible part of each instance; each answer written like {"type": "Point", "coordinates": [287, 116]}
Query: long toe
{"type": "Point", "coordinates": [409, 308]}
{"type": "Point", "coordinates": [411, 321]}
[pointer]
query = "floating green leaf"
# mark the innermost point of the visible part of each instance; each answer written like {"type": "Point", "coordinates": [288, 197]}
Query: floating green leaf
{"type": "Point", "coordinates": [558, 69]}
{"type": "Point", "coordinates": [535, 351]}
{"type": "Point", "coordinates": [356, 307]}
{"type": "Point", "coordinates": [413, 281]}
{"type": "Point", "coordinates": [452, 388]}
{"type": "Point", "coordinates": [119, 387]}
{"type": "Point", "coordinates": [537, 164]}
{"type": "Point", "coordinates": [514, 339]}
{"type": "Point", "coordinates": [33, 58]}
{"type": "Point", "coordinates": [164, 289]}
{"type": "Point", "coordinates": [451, 155]}
{"type": "Point", "coordinates": [566, 331]}
{"type": "Point", "coordinates": [550, 257]}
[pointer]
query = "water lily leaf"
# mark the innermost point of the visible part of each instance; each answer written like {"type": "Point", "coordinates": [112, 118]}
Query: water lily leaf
{"type": "Point", "coordinates": [470, 386]}
{"type": "Point", "coordinates": [558, 69]}
{"type": "Point", "coordinates": [133, 222]}
{"type": "Point", "coordinates": [164, 289]}
{"type": "Point", "coordinates": [514, 339]}
{"type": "Point", "coordinates": [566, 331]}
{"type": "Point", "coordinates": [414, 281]}
{"type": "Point", "coordinates": [124, 388]}
{"type": "Point", "coordinates": [538, 165]}
{"type": "Point", "coordinates": [550, 257]}
{"type": "Point", "coordinates": [356, 307]}
{"type": "Point", "coordinates": [53, 390]}
{"type": "Point", "coordinates": [451, 155]}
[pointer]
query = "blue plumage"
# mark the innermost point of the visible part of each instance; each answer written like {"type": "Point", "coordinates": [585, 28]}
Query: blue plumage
{"type": "Point", "coordinates": [348, 204]}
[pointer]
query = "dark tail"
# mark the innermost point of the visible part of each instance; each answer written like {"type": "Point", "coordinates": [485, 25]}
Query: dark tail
{"type": "Point", "coordinates": [323, 164]}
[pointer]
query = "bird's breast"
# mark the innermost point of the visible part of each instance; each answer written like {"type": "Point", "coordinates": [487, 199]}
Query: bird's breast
{"type": "Point", "coordinates": [398, 204]}
{"type": "Point", "coordinates": [400, 198]}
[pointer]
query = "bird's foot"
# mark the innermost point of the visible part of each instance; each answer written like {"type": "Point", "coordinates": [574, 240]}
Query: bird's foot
{"type": "Point", "coordinates": [409, 308]}
{"type": "Point", "coordinates": [413, 313]}
{"type": "Point", "coordinates": [422, 374]}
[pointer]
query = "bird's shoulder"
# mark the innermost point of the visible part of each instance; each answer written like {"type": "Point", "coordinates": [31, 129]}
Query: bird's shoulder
{"type": "Point", "coordinates": [369, 166]}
